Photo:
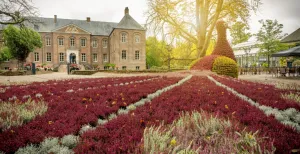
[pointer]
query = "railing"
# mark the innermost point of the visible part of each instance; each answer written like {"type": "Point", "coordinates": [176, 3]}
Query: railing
{"type": "Point", "coordinates": [275, 71]}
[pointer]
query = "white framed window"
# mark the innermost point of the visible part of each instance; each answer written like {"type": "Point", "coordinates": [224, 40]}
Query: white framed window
{"type": "Point", "coordinates": [123, 54]}
{"type": "Point", "coordinates": [61, 57]}
{"type": "Point", "coordinates": [137, 38]}
{"type": "Point", "coordinates": [48, 57]}
{"type": "Point", "coordinates": [95, 57]}
{"type": "Point", "coordinates": [104, 43]}
{"type": "Point", "coordinates": [83, 42]}
{"type": "Point", "coordinates": [123, 67]}
{"type": "Point", "coordinates": [72, 42]}
{"type": "Point", "coordinates": [60, 41]}
{"type": "Point", "coordinates": [137, 68]}
{"type": "Point", "coordinates": [94, 44]}
{"type": "Point", "coordinates": [137, 55]}
{"type": "Point", "coordinates": [36, 56]}
{"type": "Point", "coordinates": [123, 37]}
{"type": "Point", "coordinates": [105, 58]}
{"type": "Point", "coordinates": [83, 57]}
{"type": "Point", "coordinates": [48, 41]}
{"type": "Point", "coordinates": [6, 60]}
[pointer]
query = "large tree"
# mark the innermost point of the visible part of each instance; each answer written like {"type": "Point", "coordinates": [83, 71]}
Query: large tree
{"type": "Point", "coordinates": [194, 20]}
{"type": "Point", "coordinates": [270, 35]}
{"type": "Point", "coordinates": [21, 41]}
{"type": "Point", "coordinates": [239, 32]}
{"type": "Point", "coordinates": [16, 11]}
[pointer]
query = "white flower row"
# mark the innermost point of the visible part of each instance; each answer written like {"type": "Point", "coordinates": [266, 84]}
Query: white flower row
{"type": "Point", "coordinates": [51, 145]}
{"type": "Point", "coordinates": [290, 116]}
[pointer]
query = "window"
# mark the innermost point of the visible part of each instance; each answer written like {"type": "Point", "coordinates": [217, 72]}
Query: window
{"type": "Point", "coordinates": [106, 67]}
{"type": "Point", "coordinates": [7, 60]}
{"type": "Point", "coordinates": [123, 67]}
{"type": "Point", "coordinates": [48, 58]}
{"type": "Point", "coordinates": [72, 42]}
{"type": "Point", "coordinates": [95, 57]}
{"type": "Point", "coordinates": [83, 57]}
{"type": "Point", "coordinates": [105, 57]}
{"type": "Point", "coordinates": [60, 41]}
{"type": "Point", "coordinates": [104, 43]}
{"type": "Point", "coordinates": [48, 41]}
{"type": "Point", "coordinates": [137, 68]}
{"type": "Point", "coordinates": [61, 57]}
{"type": "Point", "coordinates": [6, 68]}
{"type": "Point", "coordinates": [124, 54]}
{"type": "Point", "coordinates": [137, 55]}
{"type": "Point", "coordinates": [137, 38]}
{"type": "Point", "coordinates": [94, 44]}
{"type": "Point", "coordinates": [36, 56]}
{"type": "Point", "coordinates": [83, 42]}
{"type": "Point", "coordinates": [123, 38]}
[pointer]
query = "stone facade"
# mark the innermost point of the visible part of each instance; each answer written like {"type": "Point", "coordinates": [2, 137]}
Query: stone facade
{"type": "Point", "coordinates": [93, 43]}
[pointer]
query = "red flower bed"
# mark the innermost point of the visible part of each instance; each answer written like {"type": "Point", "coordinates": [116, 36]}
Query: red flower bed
{"type": "Point", "coordinates": [264, 94]}
{"type": "Point", "coordinates": [124, 134]}
{"type": "Point", "coordinates": [205, 63]}
{"type": "Point", "coordinates": [68, 111]}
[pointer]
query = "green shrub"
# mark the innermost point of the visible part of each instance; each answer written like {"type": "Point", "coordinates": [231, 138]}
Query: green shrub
{"type": "Point", "coordinates": [225, 66]}
{"type": "Point", "coordinates": [87, 72]}
{"type": "Point", "coordinates": [296, 63]}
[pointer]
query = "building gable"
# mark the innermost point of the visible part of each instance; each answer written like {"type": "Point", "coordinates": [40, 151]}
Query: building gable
{"type": "Point", "coordinates": [71, 28]}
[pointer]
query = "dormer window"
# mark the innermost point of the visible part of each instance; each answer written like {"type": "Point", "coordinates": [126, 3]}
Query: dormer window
{"type": "Point", "coordinates": [123, 37]}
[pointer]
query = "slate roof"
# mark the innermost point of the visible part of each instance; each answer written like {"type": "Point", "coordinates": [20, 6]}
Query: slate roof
{"type": "Point", "coordinates": [294, 37]}
{"type": "Point", "coordinates": [129, 23]}
{"type": "Point", "coordinates": [42, 24]}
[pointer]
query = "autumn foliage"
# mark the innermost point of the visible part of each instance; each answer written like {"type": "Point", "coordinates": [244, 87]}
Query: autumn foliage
{"type": "Point", "coordinates": [205, 63]}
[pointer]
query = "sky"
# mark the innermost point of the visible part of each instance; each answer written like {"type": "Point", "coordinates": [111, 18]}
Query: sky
{"type": "Point", "coordinates": [287, 12]}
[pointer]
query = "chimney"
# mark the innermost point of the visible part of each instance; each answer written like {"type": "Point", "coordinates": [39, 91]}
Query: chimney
{"type": "Point", "coordinates": [55, 18]}
{"type": "Point", "coordinates": [88, 19]}
{"type": "Point", "coordinates": [126, 10]}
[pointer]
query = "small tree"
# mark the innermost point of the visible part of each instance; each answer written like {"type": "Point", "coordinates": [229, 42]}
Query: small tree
{"type": "Point", "coordinates": [21, 42]}
{"type": "Point", "coordinates": [270, 35]}
{"type": "Point", "coordinates": [4, 54]}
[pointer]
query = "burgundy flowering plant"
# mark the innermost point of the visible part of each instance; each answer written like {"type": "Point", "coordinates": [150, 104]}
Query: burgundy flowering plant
{"type": "Point", "coordinates": [73, 103]}
{"type": "Point", "coordinates": [124, 134]}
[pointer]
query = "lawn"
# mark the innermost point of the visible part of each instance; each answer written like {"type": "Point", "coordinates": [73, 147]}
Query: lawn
{"type": "Point", "coordinates": [150, 114]}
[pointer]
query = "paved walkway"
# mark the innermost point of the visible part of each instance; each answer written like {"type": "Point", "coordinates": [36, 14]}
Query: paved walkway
{"type": "Point", "coordinates": [268, 79]}
{"type": "Point", "coordinates": [263, 78]}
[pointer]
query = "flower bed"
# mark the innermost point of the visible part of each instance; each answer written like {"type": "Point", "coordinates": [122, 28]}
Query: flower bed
{"type": "Point", "coordinates": [262, 93]}
{"type": "Point", "coordinates": [69, 109]}
{"type": "Point", "coordinates": [124, 134]}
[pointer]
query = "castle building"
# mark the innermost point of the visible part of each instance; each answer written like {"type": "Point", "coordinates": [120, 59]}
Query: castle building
{"type": "Point", "coordinates": [92, 44]}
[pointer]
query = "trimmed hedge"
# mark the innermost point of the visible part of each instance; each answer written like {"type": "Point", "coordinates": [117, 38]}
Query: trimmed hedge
{"type": "Point", "coordinates": [14, 73]}
{"type": "Point", "coordinates": [205, 63]}
{"type": "Point", "coordinates": [88, 72]}
{"type": "Point", "coordinates": [225, 66]}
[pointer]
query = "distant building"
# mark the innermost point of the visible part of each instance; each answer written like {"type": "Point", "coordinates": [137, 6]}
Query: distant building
{"type": "Point", "coordinates": [88, 43]}
{"type": "Point", "coordinates": [293, 38]}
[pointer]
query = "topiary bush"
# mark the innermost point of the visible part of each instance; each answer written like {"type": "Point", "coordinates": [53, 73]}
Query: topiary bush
{"type": "Point", "coordinates": [225, 66]}
{"type": "Point", "coordinates": [205, 63]}
{"type": "Point", "coordinates": [222, 47]}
